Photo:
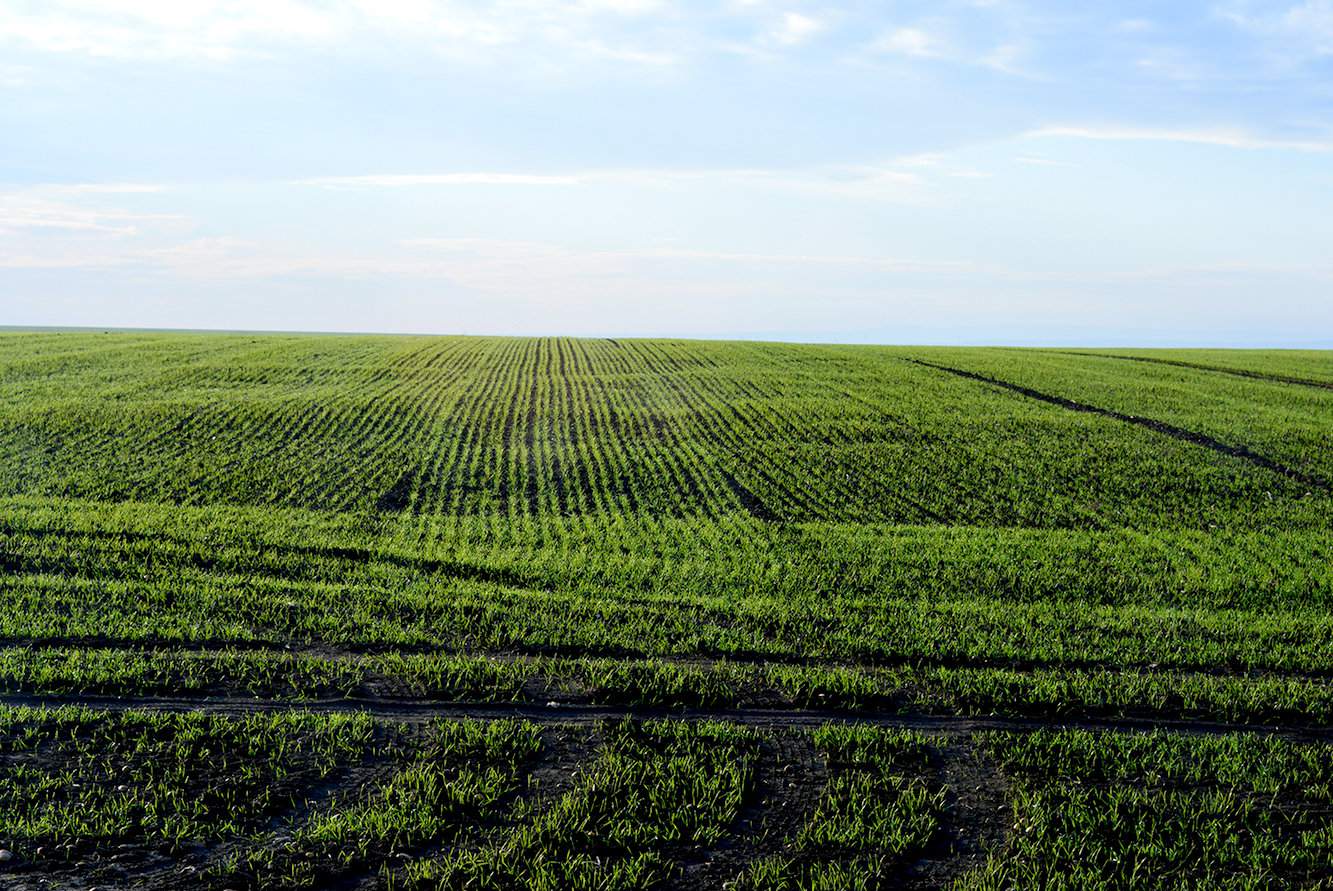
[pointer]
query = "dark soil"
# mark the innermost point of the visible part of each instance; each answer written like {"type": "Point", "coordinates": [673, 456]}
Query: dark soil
{"type": "Point", "coordinates": [789, 779]}
{"type": "Point", "coordinates": [976, 818]}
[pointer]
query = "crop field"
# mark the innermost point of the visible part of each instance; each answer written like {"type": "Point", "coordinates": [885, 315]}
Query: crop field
{"type": "Point", "coordinates": [355, 612]}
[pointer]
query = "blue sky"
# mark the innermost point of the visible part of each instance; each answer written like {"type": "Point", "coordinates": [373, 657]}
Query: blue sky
{"type": "Point", "coordinates": [983, 171]}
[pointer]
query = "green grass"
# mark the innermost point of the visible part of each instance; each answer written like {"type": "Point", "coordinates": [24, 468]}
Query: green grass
{"type": "Point", "coordinates": [661, 524]}
{"type": "Point", "coordinates": [1289, 423]}
{"type": "Point", "coordinates": [654, 789]}
{"type": "Point", "coordinates": [875, 815]}
{"type": "Point", "coordinates": [1056, 692]}
{"type": "Point", "coordinates": [465, 776]}
{"type": "Point", "coordinates": [1161, 811]}
{"type": "Point", "coordinates": [77, 775]}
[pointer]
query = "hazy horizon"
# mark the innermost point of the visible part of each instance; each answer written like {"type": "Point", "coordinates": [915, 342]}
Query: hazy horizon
{"type": "Point", "coordinates": [117, 329]}
{"type": "Point", "coordinates": [977, 172]}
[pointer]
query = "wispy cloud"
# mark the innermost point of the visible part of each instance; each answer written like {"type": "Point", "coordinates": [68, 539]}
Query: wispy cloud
{"type": "Point", "coordinates": [506, 285]}
{"type": "Point", "coordinates": [1299, 30]}
{"type": "Point", "coordinates": [1037, 161]}
{"type": "Point", "coordinates": [937, 163]}
{"type": "Point", "coordinates": [210, 29]}
{"type": "Point", "coordinates": [14, 76]}
{"type": "Point", "coordinates": [29, 210]}
{"type": "Point", "coordinates": [526, 250]}
{"type": "Point", "coordinates": [1006, 58]}
{"type": "Point", "coordinates": [1135, 26]}
{"type": "Point", "coordinates": [915, 43]}
{"type": "Point", "coordinates": [894, 180]}
{"type": "Point", "coordinates": [225, 30]}
{"type": "Point", "coordinates": [103, 188]}
{"type": "Point", "coordinates": [794, 28]}
{"type": "Point", "coordinates": [1314, 19]}
{"type": "Point", "coordinates": [934, 42]}
{"type": "Point", "coordinates": [1174, 65]}
{"type": "Point", "coordinates": [407, 180]}
{"type": "Point", "coordinates": [1235, 139]}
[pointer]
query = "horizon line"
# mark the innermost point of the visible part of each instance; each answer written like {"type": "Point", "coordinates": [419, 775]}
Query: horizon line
{"type": "Point", "coordinates": [108, 329]}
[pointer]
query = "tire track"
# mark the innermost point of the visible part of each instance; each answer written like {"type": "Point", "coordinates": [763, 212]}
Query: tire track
{"type": "Point", "coordinates": [155, 865]}
{"type": "Point", "coordinates": [416, 711]}
{"type": "Point", "coordinates": [349, 651]}
{"type": "Point", "coordinates": [566, 752]}
{"type": "Point", "coordinates": [351, 780]}
{"type": "Point", "coordinates": [1191, 436]}
{"type": "Point", "coordinates": [18, 564]}
{"type": "Point", "coordinates": [789, 779]}
{"type": "Point", "coordinates": [1200, 366]}
{"type": "Point", "coordinates": [977, 804]}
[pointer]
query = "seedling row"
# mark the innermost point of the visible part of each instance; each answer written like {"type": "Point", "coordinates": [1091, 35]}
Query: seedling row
{"type": "Point", "coordinates": [303, 800]}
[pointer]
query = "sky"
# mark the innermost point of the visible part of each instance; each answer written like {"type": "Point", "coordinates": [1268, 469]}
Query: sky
{"type": "Point", "coordinates": [957, 171]}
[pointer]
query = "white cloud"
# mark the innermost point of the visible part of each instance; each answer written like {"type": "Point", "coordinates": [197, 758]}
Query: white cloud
{"type": "Point", "coordinates": [887, 181]}
{"type": "Point", "coordinates": [14, 76]}
{"type": "Point", "coordinates": [155, 29]}
{"type": "Point", "coordinates": [1305, 29]}
{"type": "Point", "coordinates": [1037, 161]}
{"type": "Point", "coordinates": [1005, 59]}
{"type": "Point", "coordinates": [639, 57]}
{"type": "Point", "coordinates": [1173, 65]}
{"type": "Point", "coordinates": [514, 272]}
{"type": "Point", "coordinates": [1315, 18]}
{"type": "Point", "coordinates": [407, 180]}
{"type": "Point", "coordinates": [912, 42]}
{"type": "Point", "coordinates": [795, 29]}
{"type": "Point", "coordinates": [222, 30]}
{"type": "Point", "coordinates": [936, 163]}
{"type": "Point", "coordinates": [1135, 26]}
{"type": "Point", "coordinates": [524, 252]}
{"type": "Point", "coordinates": [103, 188]}
{"type": "Point", "coordinates": [621, 7]}
{"type": "Point", "coordinates": [72, 226]}
{"type": "Point", "coordinates": [1235, 139]}
{"type": "Point", "coordinates": [931, 44]}
{"type": "Point", "coordinates": [893, 181]}
{"type": "Point", "coordinates": [33, 210]}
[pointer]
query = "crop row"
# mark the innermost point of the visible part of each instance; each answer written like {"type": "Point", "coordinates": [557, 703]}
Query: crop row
{"type": "Point", "coordinates": [1094, 811]}
{"type": "Point", "coordinates": [652, 683]}
{"type": "Point", "coordinates": [468, 617]}
{"type": "Point", "coordinates": [621, 554]}
{"type": "Point", "coordinates": [84, 574]}
{"type": "Point", "coordinates": [1285, 422]}
{"type": "Point", "coordinates": [557, 427]}
{"type": "Point", "coordinates": [300, 801]}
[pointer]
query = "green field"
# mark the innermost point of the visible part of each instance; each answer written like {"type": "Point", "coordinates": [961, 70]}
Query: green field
{"type": "Point", "coordinates": [308, 611]}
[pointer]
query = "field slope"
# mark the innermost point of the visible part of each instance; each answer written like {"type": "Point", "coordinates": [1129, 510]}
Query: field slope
{"type": "Point", "coordinates": [308, 611]}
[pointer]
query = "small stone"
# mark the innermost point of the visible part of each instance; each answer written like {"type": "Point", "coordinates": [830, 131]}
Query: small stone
{"type": "Point", "coordinates": [552, 704]}
{"type": "Point", "coordinates": [122, 788]}
{"type": "Point", "coordinates": [6, 855]}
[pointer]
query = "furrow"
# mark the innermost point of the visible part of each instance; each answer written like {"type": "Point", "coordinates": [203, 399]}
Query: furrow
{"type": "Point", "coordinates": [1202, 366]}
{"type": "Point", "coordinates": [416, 711]}
{"type": "Point", "coordinates": [1190, 436]}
